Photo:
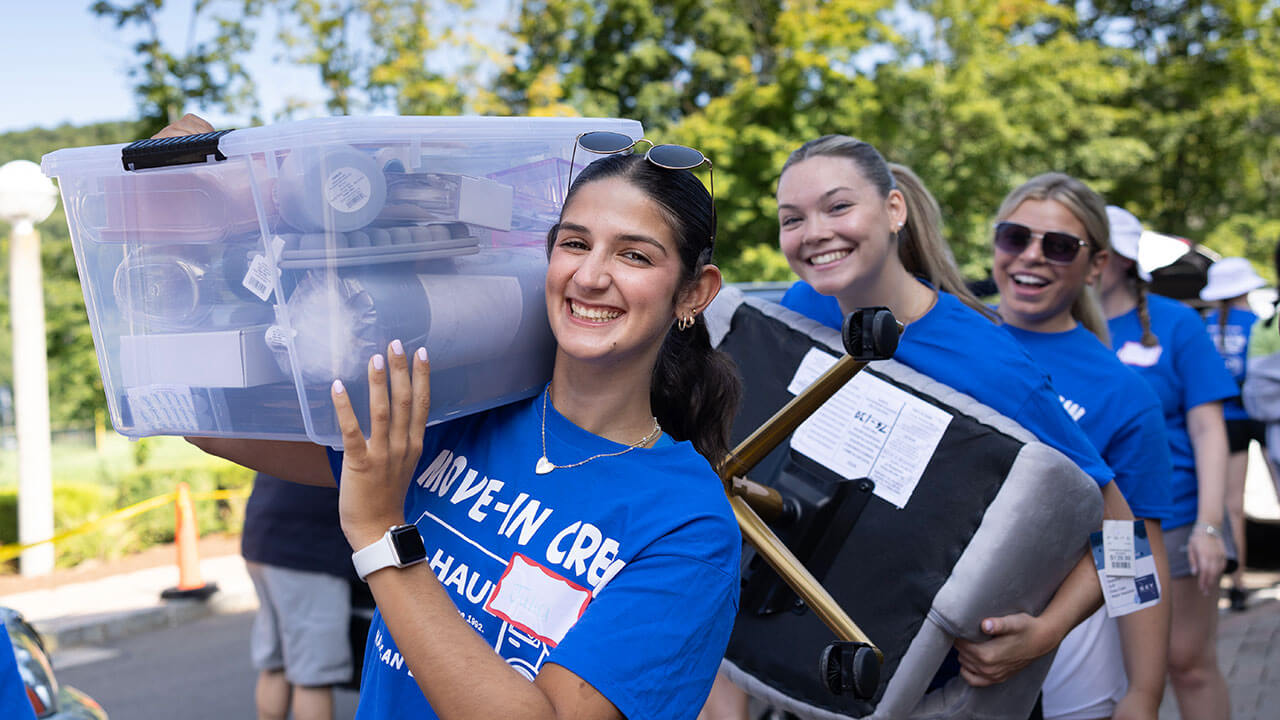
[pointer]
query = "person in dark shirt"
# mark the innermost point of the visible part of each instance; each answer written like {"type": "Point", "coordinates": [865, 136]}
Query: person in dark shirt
{"type": "Point", "coordinates": [300, 564]}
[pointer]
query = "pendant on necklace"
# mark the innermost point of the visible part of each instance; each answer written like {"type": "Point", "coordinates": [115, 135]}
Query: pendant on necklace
{"type": "Point", "coordinates": [544, 466]}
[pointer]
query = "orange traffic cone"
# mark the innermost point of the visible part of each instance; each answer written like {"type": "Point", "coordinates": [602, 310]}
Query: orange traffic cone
{"type": "Point", "coordinates": [190, 584]}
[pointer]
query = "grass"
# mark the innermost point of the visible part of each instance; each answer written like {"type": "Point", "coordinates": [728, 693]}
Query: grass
{"type": "Point", "coordinates": [78, 462]}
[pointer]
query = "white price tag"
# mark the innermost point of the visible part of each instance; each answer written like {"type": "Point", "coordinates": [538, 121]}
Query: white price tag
{"type": "Point", "coordinates": [260, 280]}
{"type": "Point", "coordinates": [1117, 547]}
{"type": "Point", "coordinates": [1138, 590]}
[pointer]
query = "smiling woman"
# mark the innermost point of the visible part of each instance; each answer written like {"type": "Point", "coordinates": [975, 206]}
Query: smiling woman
{"type": "Point", "coordinates": [579, 538]}
{"type": "Point", "coordinates": [1052, 243]}
{"type": "Point", "coordinates": [860, 232]}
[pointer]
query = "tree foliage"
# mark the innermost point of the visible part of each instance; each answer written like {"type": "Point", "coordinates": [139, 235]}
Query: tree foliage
{"type": "Point", "coordinates": [1169, 108]}
{"type": "Point", "coordinates": [75, 387]}
{"type": "Point", "coordinates": [208, 70]}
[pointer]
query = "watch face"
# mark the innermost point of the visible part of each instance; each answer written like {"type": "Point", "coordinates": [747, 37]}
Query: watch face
{"type": "Point", "coordinates": [408, 544]}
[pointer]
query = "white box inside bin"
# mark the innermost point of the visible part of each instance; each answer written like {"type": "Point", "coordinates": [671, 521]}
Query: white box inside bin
{"type": "Point", "coordinates": [226, 359]}
{"type": "Point", "coordinates": [485, 203]}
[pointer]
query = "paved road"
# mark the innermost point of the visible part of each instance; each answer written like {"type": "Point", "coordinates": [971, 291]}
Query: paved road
{"type": "Point", "coordinates": [198, 671]}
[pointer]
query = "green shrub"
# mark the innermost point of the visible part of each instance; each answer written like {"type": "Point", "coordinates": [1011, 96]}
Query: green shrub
{"type": "Point", "coordinates": [77, 503]}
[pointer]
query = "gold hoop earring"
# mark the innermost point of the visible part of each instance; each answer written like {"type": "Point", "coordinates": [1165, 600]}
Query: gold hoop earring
{"type": "Point", "coordinates": [685, 322]}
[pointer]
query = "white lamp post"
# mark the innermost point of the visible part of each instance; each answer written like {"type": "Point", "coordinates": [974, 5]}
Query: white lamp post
{"type": "Point", "coordinates": [26, 198]}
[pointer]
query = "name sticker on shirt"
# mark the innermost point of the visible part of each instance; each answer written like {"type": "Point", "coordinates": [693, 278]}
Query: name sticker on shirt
{"type": "Point", "coordinates": [1139, 355]}
{"type": "Point", "coordinates": [537, 600]}
{"type": "Point", "coordinates": [1136, 591]}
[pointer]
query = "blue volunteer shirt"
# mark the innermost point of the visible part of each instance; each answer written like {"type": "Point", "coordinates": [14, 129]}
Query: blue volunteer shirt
{"type": "Point", "coordinates": [1185, 370]}
{"type": "Point", "coordinates": [624, 570]}
{"type": "Point", "coordinates": [957, 346]}
{"type": "Point", "coordinates": [1117, 410]}
{"type": "Point", "coordinates": [1233, 346]}
{"type": "Point", "coordinates": [14, 704]}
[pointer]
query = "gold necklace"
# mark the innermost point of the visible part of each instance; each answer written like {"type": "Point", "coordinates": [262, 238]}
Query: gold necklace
{"type": "Point", "coordinates": [545, 466]}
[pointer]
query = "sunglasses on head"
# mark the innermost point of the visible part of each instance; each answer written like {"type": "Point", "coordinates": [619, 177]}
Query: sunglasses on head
{"type": "Point", "coordinates": [668, 157]}
{"type": "Point", "coordinates": [1059, 248]}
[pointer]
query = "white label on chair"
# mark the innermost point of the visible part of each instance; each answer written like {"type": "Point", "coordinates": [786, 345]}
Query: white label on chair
{"type": "Point", "coordinates": [815, 363]}
{"type": "Point", "coordinates": [872, 429]}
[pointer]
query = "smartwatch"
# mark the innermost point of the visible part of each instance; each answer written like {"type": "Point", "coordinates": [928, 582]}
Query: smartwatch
{"type": "Point", "coordinates": [401, 546]}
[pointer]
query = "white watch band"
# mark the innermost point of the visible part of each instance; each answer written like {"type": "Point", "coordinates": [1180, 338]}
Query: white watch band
{"type": "Point", "coordinates": [382, 553]}
{"type": "Point", "coordinates": [374, 557]}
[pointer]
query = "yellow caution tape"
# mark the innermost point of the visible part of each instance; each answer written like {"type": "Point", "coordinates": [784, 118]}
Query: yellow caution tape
{"type": "Point", "coordinates": [14, 550]}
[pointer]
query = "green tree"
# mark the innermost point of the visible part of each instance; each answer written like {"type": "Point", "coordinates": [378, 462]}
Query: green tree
{"type": "Point", "coordinates": [208, 71]}
{"type": "Point", "coordinates": [742, 81]}
{"type": "Point", "coordinates": [1208, 97]}
{"type": "Point", "coordinates": [417, 57]}
{"type": "Point", "coordinates": [75, 386]}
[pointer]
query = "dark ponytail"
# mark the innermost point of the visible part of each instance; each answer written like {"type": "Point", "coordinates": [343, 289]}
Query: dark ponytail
{"type": "Point", "coordinates": [695, 388]}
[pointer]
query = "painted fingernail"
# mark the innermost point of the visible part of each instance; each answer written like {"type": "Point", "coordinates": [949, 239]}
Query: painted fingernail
{"type": "Point", "coordinates": [338, 387]}
{"type": "Point", "coordinates": [396, 347]}
{"type": "Point", "coordinates": [378, 362]}
{"type": "Point", "coordinates": [988, 626]}
{"type": "Point", "coordinates": [422, 354]}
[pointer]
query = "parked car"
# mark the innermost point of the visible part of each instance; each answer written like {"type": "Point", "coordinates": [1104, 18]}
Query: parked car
{"type": "Point", "coordinates": [51, 700]}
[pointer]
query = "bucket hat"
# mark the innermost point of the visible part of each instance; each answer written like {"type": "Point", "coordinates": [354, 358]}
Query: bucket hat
{"type": "Point", "coordinates": [1230, 277]}
{"type": "Point", "coordinates": [1126, 231]}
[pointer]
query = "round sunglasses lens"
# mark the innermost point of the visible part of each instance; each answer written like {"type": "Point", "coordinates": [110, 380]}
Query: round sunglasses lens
{"type": "Point", "coordinates": [604, 142]}
{"type": "Point", "coordinates": [1012, 238]}
{"type": "Point", "coordinates": [1060, 247]}
{"type": "Point", "coordinates": [675, 157]}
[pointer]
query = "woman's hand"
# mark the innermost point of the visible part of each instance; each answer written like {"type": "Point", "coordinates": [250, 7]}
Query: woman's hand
{"type": "Point", "coordinates": [186, 125]}
{"type": "Point", "coordinates": [1208, 556]}
{"type": "Point", "coordinates": [1016, 641]}
{"type": "Point", "coordinates": [376, 472]}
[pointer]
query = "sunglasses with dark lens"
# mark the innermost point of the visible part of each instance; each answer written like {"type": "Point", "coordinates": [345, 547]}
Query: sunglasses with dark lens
{"type": "Point", "coordinates": [1059, 248]}
{"type": "Point", "coordinates": [668, 157]}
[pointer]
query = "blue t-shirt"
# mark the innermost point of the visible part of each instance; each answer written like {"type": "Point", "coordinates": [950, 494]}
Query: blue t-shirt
{"type": "Point", "coordinates": [1117, 410]}
{"type": "Point", "coordinates": [1185, 370]}
{"type": "Point", "coordinates": [957, 346]}
{"type": "Point", "coordinates": [14, 703]}
{"type": "Point", "coordinates": [623, 570]}
{"type": "Point", "coordinates": [1234, 350]}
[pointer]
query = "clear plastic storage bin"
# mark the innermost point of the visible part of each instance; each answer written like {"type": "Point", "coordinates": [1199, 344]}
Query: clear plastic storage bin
{"type": "Point", "coordinates": [231, 277]}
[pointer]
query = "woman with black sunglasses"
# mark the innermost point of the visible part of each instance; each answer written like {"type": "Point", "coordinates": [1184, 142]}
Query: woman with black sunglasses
{"type": "Point", "coordinates": [860, 233]}
{"type": "Point", "coordinates": [1051, 244]}
{"type": "Point", "coordinates": [572, 555]}
{"type": "Point", "coordinates": [1166, 343]}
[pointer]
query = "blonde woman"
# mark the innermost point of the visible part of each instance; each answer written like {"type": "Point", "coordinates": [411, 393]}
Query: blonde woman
{"type": "Point", "coordinates": [1051, 242]}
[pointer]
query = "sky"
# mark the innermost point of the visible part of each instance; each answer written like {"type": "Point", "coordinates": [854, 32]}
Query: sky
{"type": "Point", "coordinates": [61, 63]}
